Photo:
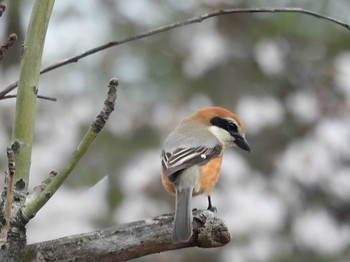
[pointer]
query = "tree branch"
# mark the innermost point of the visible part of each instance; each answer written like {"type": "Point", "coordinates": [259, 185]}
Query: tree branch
{"type": "Point", "coordinates": [8, 198]}
{"type": "Point", "coordinates": [10, 41]}
{"type": "Point", "coordinates": [23, 127]}
{"type": "Point", "coordinates": [2, 8]}
{"type": "Point", "coordinates": [49, 98]}
{"type": "Point", "coordinates": [158, 30]}
{"type": "Point", "coordinates": [44, 192]}
{"type": "Point", "coordinates": [132, 240]}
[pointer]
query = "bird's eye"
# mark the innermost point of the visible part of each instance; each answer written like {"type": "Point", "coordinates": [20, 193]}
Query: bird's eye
{"type": "Point", "coordinates": [232, 127]}
{"type": "Point", "coordinates": [226, 124]}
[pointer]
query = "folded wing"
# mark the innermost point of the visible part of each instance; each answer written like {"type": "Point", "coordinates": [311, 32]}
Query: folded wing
{"type": "Point", "coordinates": [183, 158]}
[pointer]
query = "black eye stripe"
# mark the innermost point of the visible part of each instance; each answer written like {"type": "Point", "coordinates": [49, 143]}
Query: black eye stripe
{"type": "Point", "coordinates": [224, 124]}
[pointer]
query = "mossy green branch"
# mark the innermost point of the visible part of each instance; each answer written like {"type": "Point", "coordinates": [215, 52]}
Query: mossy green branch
{"type": "Point", "coordinates": [43, 193]}
{"type": "Point", "coordinates": [23, 129]}
{"type": "Point", "coordinates": [33, 205]}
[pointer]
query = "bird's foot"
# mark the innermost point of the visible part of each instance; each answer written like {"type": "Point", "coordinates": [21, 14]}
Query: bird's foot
{"type": "Point", "coordinates": [213, 209]}
{"type": "Point", "coordinates": [210, 207]}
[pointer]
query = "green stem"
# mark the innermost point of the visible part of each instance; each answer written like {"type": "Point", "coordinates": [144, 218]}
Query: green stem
{"type": "Point", "coordinates": [23, 129]}
{"type": "Point", "coordinates": [33, 205]}
{"type": "Point", "coordinates": [39, 197]}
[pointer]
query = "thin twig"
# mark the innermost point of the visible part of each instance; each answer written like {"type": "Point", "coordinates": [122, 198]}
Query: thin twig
{"type": "Point", "coordinates": [45, 191]}
{"type": "Point", "coordinates": [10, 41]}
{"type": "Point", "coordinates": [38, 96]}
{"type": "Point", "coordinates": [158, 30]}
{"type": "Point", "coordinates": [9, 192]}
{"type": "Point", "coordinates": [2, 8]}
{"type": "Point", "coordinates": [108, 107]}
{"type": "Point", "coordinates": [9, 88]}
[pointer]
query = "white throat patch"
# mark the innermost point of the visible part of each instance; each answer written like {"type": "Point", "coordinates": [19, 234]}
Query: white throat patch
{"type": "Point", "coordinates": [221, 134]}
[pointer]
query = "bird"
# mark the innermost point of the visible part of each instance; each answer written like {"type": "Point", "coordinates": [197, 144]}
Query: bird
{"type": "Point", "coordinates": [191, 159]}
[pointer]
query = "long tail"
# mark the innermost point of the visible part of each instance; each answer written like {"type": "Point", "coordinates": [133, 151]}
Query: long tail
{"type": "Point", "coordinates": [182, 231]}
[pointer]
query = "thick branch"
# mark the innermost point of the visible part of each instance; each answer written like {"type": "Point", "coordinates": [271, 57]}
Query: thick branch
{"type": "Point", "coordinates": [43, 193]}
{"type": "Point", "coordinates": [158, 30]}
{"type": "Point", "coordinates": [23, 128]}
{"type": "Point", "coordinates": [132, 240]}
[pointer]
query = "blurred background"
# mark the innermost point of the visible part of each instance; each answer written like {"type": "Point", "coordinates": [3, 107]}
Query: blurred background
{"type": "Point", "coordinates": [287, 76]}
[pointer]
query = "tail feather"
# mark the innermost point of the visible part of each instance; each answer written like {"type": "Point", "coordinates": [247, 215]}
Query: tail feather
{"type": "Point", "coordinates": [182, 231]}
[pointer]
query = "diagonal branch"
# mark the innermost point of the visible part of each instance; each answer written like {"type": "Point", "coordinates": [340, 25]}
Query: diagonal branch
{"type": "Point", "coordinates": [158, 30]}
{"type": "Point", "coordinates": [43, 193]}
{"type": "Point", "coordinates": [132, 240]}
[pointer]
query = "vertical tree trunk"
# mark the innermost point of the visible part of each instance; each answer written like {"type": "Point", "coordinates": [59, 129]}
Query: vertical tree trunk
{"type": "Point", "coordinates": [13, 220]}
{"type": "Point", "coordinates": [13, 249]}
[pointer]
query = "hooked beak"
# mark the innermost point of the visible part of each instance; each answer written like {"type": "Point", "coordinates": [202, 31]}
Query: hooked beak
{"type": "Point", "coordinates": [242, 143]}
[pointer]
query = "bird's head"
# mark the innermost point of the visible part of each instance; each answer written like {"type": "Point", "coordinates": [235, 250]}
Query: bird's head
{"type": "Point", "coordinates": [226, 126]}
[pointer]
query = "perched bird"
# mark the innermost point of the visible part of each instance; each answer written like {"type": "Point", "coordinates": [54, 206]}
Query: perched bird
{"type": "Point", "coordinates": [191, 160]}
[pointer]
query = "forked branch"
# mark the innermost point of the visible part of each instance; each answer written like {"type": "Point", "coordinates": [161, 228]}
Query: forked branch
{"type": "Point", "coordinates": [44, 192]}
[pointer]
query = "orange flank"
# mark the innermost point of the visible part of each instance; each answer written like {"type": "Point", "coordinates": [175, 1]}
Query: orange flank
{"type": "Point", "coordinates": [209, 175]}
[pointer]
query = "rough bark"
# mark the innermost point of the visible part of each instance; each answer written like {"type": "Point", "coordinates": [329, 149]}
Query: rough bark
{"type": "Point", "coordinates": [132, 240]}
